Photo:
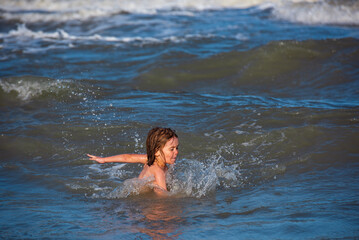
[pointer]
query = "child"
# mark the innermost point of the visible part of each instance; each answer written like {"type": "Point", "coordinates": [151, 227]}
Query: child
{"type": "Point", "coordinates": [162, 149]}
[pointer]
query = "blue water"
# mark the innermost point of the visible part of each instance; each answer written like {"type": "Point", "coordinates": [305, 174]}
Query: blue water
{"type": "Point", "coordinates": [263, 95]}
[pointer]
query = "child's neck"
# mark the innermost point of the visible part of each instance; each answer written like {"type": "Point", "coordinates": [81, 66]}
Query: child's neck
{"type": "Point", "coordinates": [160, 164]}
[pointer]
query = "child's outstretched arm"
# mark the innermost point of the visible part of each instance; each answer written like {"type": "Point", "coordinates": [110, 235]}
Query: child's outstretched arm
{"type": "Point", "coordinates": [124, 158]}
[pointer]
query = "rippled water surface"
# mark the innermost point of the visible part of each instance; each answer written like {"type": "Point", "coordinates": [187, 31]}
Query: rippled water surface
{"type": "Point", "coordinates": [264, 96]}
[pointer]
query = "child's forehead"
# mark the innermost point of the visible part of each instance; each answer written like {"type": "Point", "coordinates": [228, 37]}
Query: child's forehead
{"type": "Point", "coordinates": [172, 142]}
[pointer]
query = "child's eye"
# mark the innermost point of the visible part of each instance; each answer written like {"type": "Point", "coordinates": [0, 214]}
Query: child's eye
{"type": "Point", "coordinates": [171, 149]}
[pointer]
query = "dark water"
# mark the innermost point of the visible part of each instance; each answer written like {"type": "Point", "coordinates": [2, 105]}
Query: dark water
{"type": "Point", "coordinates": [264, 97]}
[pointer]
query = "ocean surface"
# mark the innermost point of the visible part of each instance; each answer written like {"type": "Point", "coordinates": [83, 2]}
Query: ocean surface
{"type": "Point", "coordinates": [264, 95]}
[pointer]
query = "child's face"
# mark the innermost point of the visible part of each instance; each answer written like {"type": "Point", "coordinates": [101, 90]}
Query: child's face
{"type": "Point", "coordinates": [170, 150]}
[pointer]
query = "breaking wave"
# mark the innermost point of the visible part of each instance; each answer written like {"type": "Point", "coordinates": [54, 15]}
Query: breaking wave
{"type": "Point", "coordinates": [27, 88]}
{"type": "Point", "coordinates": [302, 11]}
{"type": "Point", "coordinates": [48, 10]}
{"type": "Point", "coordinates": [319, 12]}
{"type": "Point", "coordinates": [62, 39]}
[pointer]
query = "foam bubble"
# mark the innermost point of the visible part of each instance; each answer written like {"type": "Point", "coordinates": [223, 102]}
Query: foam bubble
{"type": "Point", "coordinates": [318, 12]}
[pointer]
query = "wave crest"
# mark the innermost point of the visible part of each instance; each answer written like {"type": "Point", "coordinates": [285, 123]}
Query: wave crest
{"type": "Point", "coordinates": [302, 11]}
{"type": "Point", "coordinates": [28, 88]}
{"type": "Point", "coordinates": [319, 12]}
{"type": "Point", "coordinates": [48, 10]}
{"type": "Point", "coordinates": [62, 39]}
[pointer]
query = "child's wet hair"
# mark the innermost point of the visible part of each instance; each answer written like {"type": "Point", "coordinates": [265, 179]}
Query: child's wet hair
{"type": "Point", "coordinates": [156, 139]}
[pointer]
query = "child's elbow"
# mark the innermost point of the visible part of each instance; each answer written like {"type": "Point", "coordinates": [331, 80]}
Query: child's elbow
{"type": "Point", "coordinates": [161, 192]}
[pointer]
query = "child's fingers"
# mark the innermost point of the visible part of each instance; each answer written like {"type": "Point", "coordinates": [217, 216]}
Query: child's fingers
{"type": "Point", "coordinates": [92, 157]}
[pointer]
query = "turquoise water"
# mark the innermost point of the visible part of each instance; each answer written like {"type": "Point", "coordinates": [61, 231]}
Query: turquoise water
{"type": "Point", "coordinates": [264, 96]}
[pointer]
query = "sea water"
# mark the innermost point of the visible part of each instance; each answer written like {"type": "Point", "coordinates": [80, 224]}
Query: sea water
{"type": "Point", "coordinates": [264, 96]}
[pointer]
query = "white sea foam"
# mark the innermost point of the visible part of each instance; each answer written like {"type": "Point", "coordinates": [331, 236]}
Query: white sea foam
{"type": "Point", "coordinates": [23, 32]}
{"type": "Point", "coordinates": [318, 12]}
{"type": "Point", "coordinates": [48, 10]}
{"type": "Point", "coordinates": [27, 89]}
{"type": "Point", "coordinates": [62, 39]}
{"type": "Point", "coordinates": [303, 11]}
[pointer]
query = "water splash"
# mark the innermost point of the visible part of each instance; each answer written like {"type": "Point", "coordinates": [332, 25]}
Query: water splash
{"type": "Point", "coordinates": [196, 178]}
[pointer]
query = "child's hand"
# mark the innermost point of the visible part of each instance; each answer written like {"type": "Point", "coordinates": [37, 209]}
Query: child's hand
{"type": "Point", "coordinates": [95, 158]}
